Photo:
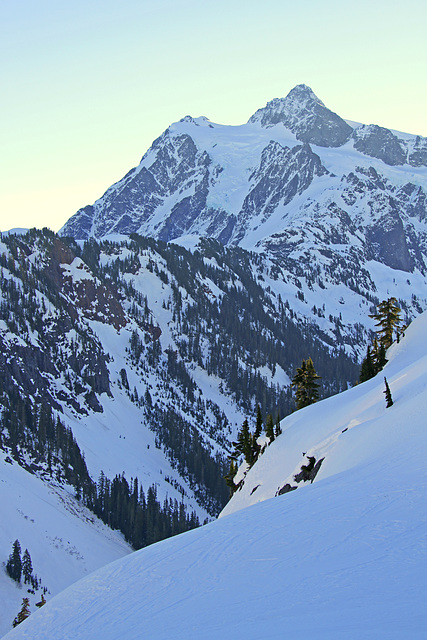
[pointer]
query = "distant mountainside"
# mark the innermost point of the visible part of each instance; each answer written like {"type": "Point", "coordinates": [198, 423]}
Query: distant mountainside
{"type": "Point", "coordinates": [295, 163]}
{"type": "Point", "coordinates": [342, 557]}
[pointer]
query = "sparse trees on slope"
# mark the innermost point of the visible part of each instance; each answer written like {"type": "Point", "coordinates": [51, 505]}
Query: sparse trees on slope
{"type": "Point", "coordinates": [247, 444]}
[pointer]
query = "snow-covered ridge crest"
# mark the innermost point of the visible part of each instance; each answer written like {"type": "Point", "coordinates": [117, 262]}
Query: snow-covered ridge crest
{"type": "Point", "coordinates": [336, 431]}
{"type": "Point", "coordinates": [299, 98]}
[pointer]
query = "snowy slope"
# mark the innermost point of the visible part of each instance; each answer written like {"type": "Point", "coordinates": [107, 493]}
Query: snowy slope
{"type": "Point", "coordinates": [65, 540]}
{"type": "Point", "coordinates": [343, 557]}
{"type": "Point", "coordinates": [349, 430]}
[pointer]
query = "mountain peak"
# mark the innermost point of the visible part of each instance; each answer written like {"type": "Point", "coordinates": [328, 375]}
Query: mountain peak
{"type": "Point", "coordinates": [303, 113]}
{"type": "Point", "coordinates": [301, 93]}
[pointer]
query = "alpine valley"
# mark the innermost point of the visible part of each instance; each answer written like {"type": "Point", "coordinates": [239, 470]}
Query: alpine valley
{"type": "Point", "coordinates": [136, 341]}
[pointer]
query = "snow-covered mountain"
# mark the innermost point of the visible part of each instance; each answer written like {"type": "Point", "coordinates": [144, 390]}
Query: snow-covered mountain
{"type": "Point", "coordinates": [293, 162]}
{"type": "Point", "coordinates": [336, 210]}
{"type": "Point", "coordinates": [342, 557]}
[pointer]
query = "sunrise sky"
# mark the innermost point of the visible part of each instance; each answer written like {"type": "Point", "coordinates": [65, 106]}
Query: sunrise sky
{"type": "Point", "coordinates": [86, 86]}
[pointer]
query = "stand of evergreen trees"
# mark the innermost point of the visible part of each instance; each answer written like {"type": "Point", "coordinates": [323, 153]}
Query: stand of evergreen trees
{"type": "Point", "coordinates": [28, 430]}
{"type": "Point", "coordinates": [18, 567]}
{"type": "Point", "coordinates": [141, 518]}
{"type": "Point", "coordinates": [188, 454]}
{"type": "Point", "coordinates": [248, 446]}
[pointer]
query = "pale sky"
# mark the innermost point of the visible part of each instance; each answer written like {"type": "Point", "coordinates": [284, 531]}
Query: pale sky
{"type": "Point", "coordinates": [87, 85]}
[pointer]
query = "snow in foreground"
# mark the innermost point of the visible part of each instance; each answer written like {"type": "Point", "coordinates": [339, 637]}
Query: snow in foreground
{"type": "Point", "coordinates": [342, 558]}
{"type": "Point", "coordinates": [65, 540]}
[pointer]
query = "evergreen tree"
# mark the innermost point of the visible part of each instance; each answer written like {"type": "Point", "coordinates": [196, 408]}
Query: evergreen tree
{"type": "Point", "coordinates": [243, 445]}
{"type": "Point", "coordinates": [229, 478]}
{"type": "Point", "coordinates": [278, 428]}
{"type": "Point", "coordinates": [258, 430]}
{"type": "Point", "coordinates": [14, 564]}
{"type": "Point", "coordinates": [27, 567]}
{"type": "Point", "coordinates": [312, 385]}
{"type": "Point", "coordinates": [24, 613]}
{"type": "Point", "coordinates": [387, 392]}
{"type": "Point", "coordinates": [298, 382]}
{"type": "Point", "coordinates": [306, 385]}
{"type": "Point", "coordinates": [388, 319]}
{"type": "Point", "coordinates": [367, 370]}
{"type": "Point", "coordinates": [269, 428]}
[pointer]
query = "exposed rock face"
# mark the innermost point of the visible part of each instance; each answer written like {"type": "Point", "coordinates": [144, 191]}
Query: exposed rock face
{"type": "Point", "coordinates": [287, 488]}
{"type": "Point", "coordinates": [26, 368]}
{"type": "Point", "coordinates": [306, 116]}
{"type": "Point", "coordinates": [387, 238]}
{"type": "Point", "coordinates": [378, 142]}
{"type": "Point", "coordinates": [187, 210]}
{"type": "Point", "coordinates": [283, 173]}
{"type": "Point", "coordinates": [83, 293]}
{"type": "Point", "coordinates": [418, 155]}
{"type": "Point", "coordinates": [177, 167]}
{"type": "Point", "coordinates": [309, 471]}
{"type": "Point", "coordinates": [80, 225]}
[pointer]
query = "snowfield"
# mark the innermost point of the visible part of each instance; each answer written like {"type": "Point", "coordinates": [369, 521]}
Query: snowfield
{"type": "Point", "coordinates": [65, 540]}
{"type": "Point", "coordinates": [342, 558]}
